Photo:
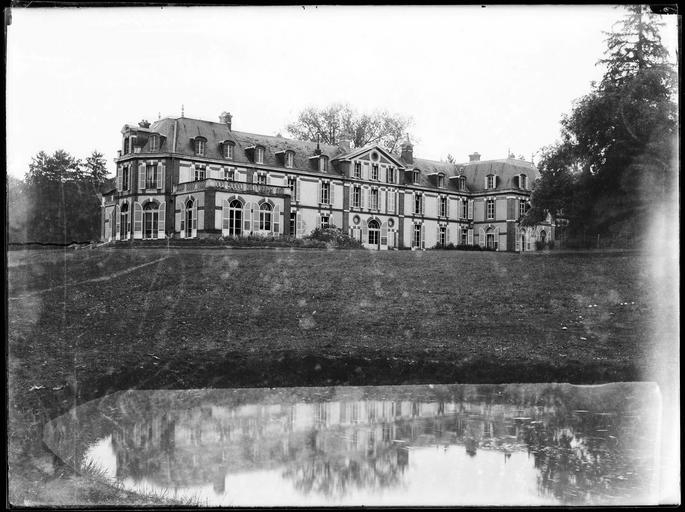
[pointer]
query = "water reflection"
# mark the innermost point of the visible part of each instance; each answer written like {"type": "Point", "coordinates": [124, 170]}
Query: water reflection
{"type": "Point", "coordinates": [407, 445]}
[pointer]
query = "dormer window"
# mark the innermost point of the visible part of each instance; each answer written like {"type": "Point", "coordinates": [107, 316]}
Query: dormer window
{"type": "Point", "coordinates": [441, 180]}
{"type": "Point", "coordinates": [154, 143]}
{"type": "Point", "coordinates": [523, 181]}
{"type": "Point", "coordinates": [358, 170]}
{"type": "Point", "coordinates": [391, 175]}
{"type": "Point", "coordinates": [200, 146]}
{"type": "Point", "coordinates": [490, 181]}
{"type": "Point", "coordinates": [259, 155]}
{"type": "Point", "coordinates": [415, 177]}
{"type": "Point", "coordinates": [461, 182]}
{"type": "Point", "coordinates": [323, 164]}
{"type": "Point", "coordinates": [228, 148]}
{"type": "Point", "coordinates": [289, 159]}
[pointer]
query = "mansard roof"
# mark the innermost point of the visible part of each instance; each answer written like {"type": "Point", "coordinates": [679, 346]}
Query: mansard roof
{"type": "Point", "coordinates": [505, 170]}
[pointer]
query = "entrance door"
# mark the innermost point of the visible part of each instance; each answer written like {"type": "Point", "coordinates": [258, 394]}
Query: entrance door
{"type": "Point", "coordinates": [189, 221]}
{"type": "Point", "coordinates": [374, 234]}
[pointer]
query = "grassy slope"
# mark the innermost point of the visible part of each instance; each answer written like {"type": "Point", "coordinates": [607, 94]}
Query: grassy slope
{"type": "Point", "coordinates": [249, 317]}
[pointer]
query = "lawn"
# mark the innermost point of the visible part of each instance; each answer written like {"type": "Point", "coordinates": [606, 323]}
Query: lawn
{"type": "Point", "coordinates": [89, 322]}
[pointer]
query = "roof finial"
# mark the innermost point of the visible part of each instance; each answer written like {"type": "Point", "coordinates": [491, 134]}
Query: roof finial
{"type": "Point", "coordinates": [182, 110]}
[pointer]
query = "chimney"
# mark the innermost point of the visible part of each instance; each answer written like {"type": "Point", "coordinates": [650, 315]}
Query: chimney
{"type": "Point", "coordinates": [226, 118]}
{"type": "Point", "coordinates": [407, 153]}
{"type": "Point", "coordinates": [474, 157]}
{"type": "Point", "coordinates": [317, 151]}
{"type": "Point", "coordinates": [345, 144]}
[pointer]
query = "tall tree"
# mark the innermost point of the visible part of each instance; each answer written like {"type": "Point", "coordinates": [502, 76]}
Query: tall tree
{"type": "Point", "coordinates": [618, 140]}
{"type": "Point", "coordinates": [96, 167]}
{"type": "Point", "coordinates": [59, 168]}
{"type": "Point", "coordinates": [338, 121]}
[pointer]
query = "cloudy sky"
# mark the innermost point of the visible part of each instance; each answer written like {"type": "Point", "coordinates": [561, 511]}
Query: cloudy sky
{"type": "Point", "coordinates": [473, 79]}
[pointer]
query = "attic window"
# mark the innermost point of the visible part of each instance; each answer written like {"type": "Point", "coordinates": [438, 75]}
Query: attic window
{"type": "Point", "coordinates": [200, 146]}
{"type": "Point", "coordinates": [523, 181]}
{"type": "Point", "coordinates": [259, 155]}
{"type": "Point", "coordinates": [415, 176]}
{"type": "Point", "coordinates": [228, 148]}
{"type": "Point", "coordinates": [441, 180]}
{"type": "Point", "coordinates": [154, 143]}
{"type": "Point", "coordinates": [490, 181]}
{"type": "Point", "coordinates": [462, 183]}
{"type": "Point", "coordinates": [323, 163]}
{"type": "Point", "coordinates": [289, 159]}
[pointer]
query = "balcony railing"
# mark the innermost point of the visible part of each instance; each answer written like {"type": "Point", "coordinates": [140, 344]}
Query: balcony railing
{"type": "Point", "coordinates": [231, 186]}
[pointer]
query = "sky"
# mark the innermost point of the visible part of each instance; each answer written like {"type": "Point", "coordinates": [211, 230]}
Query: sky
{"type": "Point", "coordinates": [488, 79]}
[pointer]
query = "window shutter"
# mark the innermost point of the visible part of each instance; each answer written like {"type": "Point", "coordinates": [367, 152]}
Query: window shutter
{"type": "Point", "coordinates": [300, 224]}
{"type": "Point", "coordinates": [319, 192]}
{"type": "Point", "coordinates": [276, 221]}
{"type": "Point", "coordinates": [365, 171]}
{"type": "Point", "coordinates": [497, 238]}
{"type": "Point", "coordinates": [382, 203]}
{"type": "Point", "coordinates": [437, 234]}
{"type": "Point", "coordinates": [447, 234]}
{"type": "Point", "coordinates": [224, 214]}
{"type": "Point", "coordinates": [255, 217]}
{"type": "Point", "coordinates": [194, 217]}
{"type": "Point", "coordinates": [119, 178]}
{"type": "Point", "coordinates": [161, 223]}
{"type": "Point", "coordinates": [331, 195]}
{"type": "Point", "coordinates": [247, 217]}
{"type": "Point", "coordinates": [470, 209]}
{"type": "Point", "coordinates": [447, 204]}
{"type": "Point", "coordinates": [298, 186]}
{"type": "Point", "coordinates": [180, 219]}
{"type": "Point", "coordinates": [117, 221]}
{"type": "Point", "coordinates": [161, 181]}
{"type": "Point", "coordinates": [137, 220]}
{"type": "Point", "coordinates": [481, 237]}
{"type": "Point", "coordinates": [423, 236]}
{"type": "Point", "coordinates": [469, 237]}
{"type": "Point", "coordinates": [141, 176]}
{"type": "Point", "coordinates": [485, 184]}
{"type": "Point", "coordinates": [423, 203]}
{"type": "Point", "coordinates": [384, 233]}
{"type": "Point", "coordinates": [158, 175]}
{"type": "Point", "coordinates": [365, 232]}
{"type": "Point", "coordinates": [318, 220]}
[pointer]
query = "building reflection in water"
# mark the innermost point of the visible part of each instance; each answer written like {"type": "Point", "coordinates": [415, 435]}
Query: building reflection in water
{"type": "Point", "coordinates": [580, 445]}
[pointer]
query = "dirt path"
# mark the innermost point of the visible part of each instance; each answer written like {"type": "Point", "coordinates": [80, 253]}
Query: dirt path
{"type": "Point", "coordinates": [94, 280]}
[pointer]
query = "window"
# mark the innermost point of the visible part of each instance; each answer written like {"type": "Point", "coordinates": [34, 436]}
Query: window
{"type": "Point", "coordinates": [200, 172]}
{"type": "Point", "coordinates": [261, 179]}
{"type": "Point", "coordinates": [418, 199]}
{"type": "Point", "coordinates": [126, 145]}
{"type": "Point", "coordinates": [441, 180]}
{"type": "Point", "coordinates": [391, 175]}
{"type": "Point", "coordinates": [228, 150]}
{"type": "Point", "coordinates": [124, 178]}
{"type": "Point", "coordinates": [265, 217]}
{"type": "Point", "coordinates": [325, 220]}
{"type": "Point", "coordinates": [150, 220]}
{"type": "Point", "coordinates": [523, 181]}
{"type": "Point", "coordinates": [357, 196]}
{"type": "Point", "coordinates": [490, 181]}
{"type": "Point", "coordinates": [357, 169]}
{"type": "Point", "coordinates": [417, 236]}
{"type": "Point", "coordinates": [523, 207]}
{"type": "Point", "coordinates": [229, 174]}
{"type": "Point", "coordinates": [325, 193]}
{"type": "Point", "coordinates": [415, 177]}
{"type": "Point", "coordinates": [124, 229]}
{"type": "Point", "coordinates": [374, 232]}
{"type": "Point", "coordinates": [462, 183]}
{"type": "Point", "coordinates": [292, 185]}
{"type": "Point", "coordinates": [293, 223]}
{"type": "Point", "coordinates": [490, 242]}
{"type": "Point", "coordinates": [189, 218]}
{"type": "Point", "coordinates": [289, 159]}
{"type": "Point", "coordinates": [259, 155]}
{"type": "Point", "coordinates": [490, 208]}
{"type": "Point", "coordinates": [323, 164]}
{"type": "Point", "coordinates": [150, 176]}
{"type": "Point", "coordinates": [443, 236]}
{"type": "Point", "coordinates": [374, 199]}
{"type": "Point", "coordinates": [235, 218]}
{"type": "Point", "coordinates": [464, 209]}
{"type": "Point", "coordinates": [464, 237]}
{"type": "Point", "coordinates": [374, 172]}
{"type": "Point", "coordinates": [200, 146]}
{"type": "Point", "coordinates": [154, 143]}
{"type": "Point", "coordinates": [443, 207]}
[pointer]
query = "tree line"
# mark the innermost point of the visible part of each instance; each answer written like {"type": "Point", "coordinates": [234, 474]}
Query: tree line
{"type": "Point", "coordinates": [57, 201]}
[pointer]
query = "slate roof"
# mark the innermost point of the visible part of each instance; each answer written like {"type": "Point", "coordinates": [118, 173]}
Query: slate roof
{"type": "Point", "coordinates": [215, 133]}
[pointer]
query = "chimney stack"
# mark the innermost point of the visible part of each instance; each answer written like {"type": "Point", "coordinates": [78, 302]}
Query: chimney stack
{"type": "Point", "coordinates": [407, 151]}
{"type": "Point", "coordinates": [226, 119]}
{"type": "Point", "coordinates": [345, 144]}
{"type": "Point", "coordinates": [474, 157]}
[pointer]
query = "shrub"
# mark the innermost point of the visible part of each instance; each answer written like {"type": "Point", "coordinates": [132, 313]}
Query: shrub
{"type": "Point", "coordinates": [333, 237]}
{"type": "Point", "coordinates": [539, 245]}
{"type": "Point", "coordinates": [550, 244]}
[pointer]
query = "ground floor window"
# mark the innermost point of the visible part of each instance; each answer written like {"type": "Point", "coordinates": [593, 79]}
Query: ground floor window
{"type": "Point", "coordinates": [464, 237]}
{"type": "Point", "coordinates": [235, 218]}
{"type": "Point", "coordinates": [189, 218]}
{"type": "Point", "coordinates": [374, 232]}
{"type": "Point", "coordinates": [490, 241]}
{"type": "Point", "coordinates": [325, 221]}
{"type": "Point", "coordinates": [150, 220]}
{"type": "Point", "coordinates": [265, 217]}
{"type": "Point", "coordinates": [443, 236]}
{"type": "Point", "coordinates": [293, 223]}
{"type": "Point", "coordinates": [417, 235]}
{"type": "Point", "coordinates": [123, 229]}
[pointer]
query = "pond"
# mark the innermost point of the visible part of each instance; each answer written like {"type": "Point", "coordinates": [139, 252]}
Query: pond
{"type": "Point", "coordinates": [512, 444]}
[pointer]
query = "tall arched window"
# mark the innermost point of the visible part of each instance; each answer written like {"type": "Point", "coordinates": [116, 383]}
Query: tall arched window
{"type": "Point", "coordinates": [150, 220]}
{"type": "Point", "coordinates": [235, 217]}
{"type": "Point", "coordinates": [189, 218]}
{"type": "Point", "coordinates": [374, 232]}
{"type": "Point", "coordinates": [123, 230]}
{"type": "Point", "coordinates": [490, 239]}
{"type": "Point", "coordinates": [265, 217]}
